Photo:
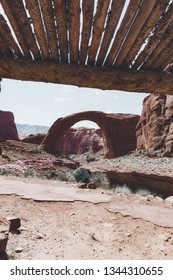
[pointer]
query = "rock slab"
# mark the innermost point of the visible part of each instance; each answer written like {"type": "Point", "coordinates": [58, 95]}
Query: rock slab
{"type": "Point", "coordinates": [4, 232]}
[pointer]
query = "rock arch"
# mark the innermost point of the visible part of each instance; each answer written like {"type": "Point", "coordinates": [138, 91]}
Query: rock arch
{"type": "Point", "coordinates": [118, 131]}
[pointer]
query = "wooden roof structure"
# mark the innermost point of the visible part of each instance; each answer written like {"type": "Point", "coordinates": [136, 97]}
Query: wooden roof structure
{"type": "Point", "coordinates": [107, 44]}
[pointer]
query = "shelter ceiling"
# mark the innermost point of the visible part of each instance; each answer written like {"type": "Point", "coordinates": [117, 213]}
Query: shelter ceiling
{"type": "Point", "coordinates": [108, 44]}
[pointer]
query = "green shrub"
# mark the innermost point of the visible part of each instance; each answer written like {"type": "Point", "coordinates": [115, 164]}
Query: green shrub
{"type": "Point", "coordinates": [82, 175]}
{"type": "Point", "coordinates": [100, 180]}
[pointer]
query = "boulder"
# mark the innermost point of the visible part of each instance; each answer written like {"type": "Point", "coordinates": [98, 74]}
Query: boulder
{"type": "Point", "coordinates": [154, 130]}
{"type": "Point", "coordinates": [4, 232]}
{"type": "Point", "coordinates": [8, 130]}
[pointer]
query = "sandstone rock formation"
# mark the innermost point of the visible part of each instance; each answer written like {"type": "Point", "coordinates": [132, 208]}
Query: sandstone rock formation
{"type": "Point", "coordinates": [75, 141]}
{"type": "Point", "coordinates": [81, 140]}
{"type": "Point", "coordinates": [8, 129]}
{"type": "Point", "coordinates": [4, 231]}
{"type": "Point", "coordinates": [34, 138]}
{"type": "Point", "coordinates": [118, 131]}
{"type": "Point", "coordinates": [154, 131]}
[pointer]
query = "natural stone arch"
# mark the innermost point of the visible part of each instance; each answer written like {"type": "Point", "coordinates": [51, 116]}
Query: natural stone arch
{"type": "Point", "coordinates": [118, 131]}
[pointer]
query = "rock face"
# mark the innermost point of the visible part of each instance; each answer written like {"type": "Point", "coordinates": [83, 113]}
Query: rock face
{"type": "Point", "coordinates": [118, 131]}
{"type": "Point", "coordinates": [75, 141]}
{"type": "Point", "coordinates": [4, 231]}
{"type": "Point", "coordinates": [8, 129]}
{"type": "Point", "coordinates": [34, 138]}
{"type": "Point", "coordinates": [154, 131]}
{"type": "Point", "coordinates": [81, 140]}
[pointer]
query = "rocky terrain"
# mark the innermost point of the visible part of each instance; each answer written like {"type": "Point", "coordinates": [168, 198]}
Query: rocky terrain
{"type": "Point", "coordinates": [119, 208]}
{"type": "Point", "coordinates": [116, 229]}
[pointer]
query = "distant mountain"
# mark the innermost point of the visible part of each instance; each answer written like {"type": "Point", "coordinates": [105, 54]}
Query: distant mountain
{"type": "Point", "coordinates": [26, 129]}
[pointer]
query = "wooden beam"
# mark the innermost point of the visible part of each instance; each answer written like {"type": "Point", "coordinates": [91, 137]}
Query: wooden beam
{"type": "Point", "coordinates": [34, 11]}
{"type": "Point", "coordinates": [98, 29]}
{"type": "Point", "coordinates": [6, 34]}
{"type": "Point", "coordinates": [61, 19]}
{"type": "Point", "coordinates": [112, 22]}
{"type": "Point", "coordinates": [139, 22]}
{"type": "Point", "coordinates": [152, 20]}
{"type": "Point", "coordinates": [74, 29]}
{"type": "Point", "coordinates": [161, 51]}
{"type": "Point", "coordinates": [106, 78]}
{"type": "Point", "coordinates": [16, 28]}
{"type": "Point", "coordinates": [87, 9]}
{"type": "Point", "coordinates": [48, 18]}
{"type": "Point", "coordinates": [123, 30]}
{"type": "Point", "coordinates": [25, 27]}
{"type": "Point", "coordinates": [153, 40]}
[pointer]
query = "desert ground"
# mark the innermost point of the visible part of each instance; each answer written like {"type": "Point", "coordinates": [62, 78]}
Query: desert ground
{"type": "Point", "coordinates": [59, 220]}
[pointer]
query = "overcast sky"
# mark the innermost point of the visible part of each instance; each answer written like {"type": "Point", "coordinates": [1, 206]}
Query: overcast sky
{"type": "Point", "coordinates": [42, 103]}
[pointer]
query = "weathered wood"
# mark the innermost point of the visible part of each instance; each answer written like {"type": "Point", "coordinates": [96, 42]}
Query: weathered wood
{"type": "Point", "coordinates": [144, 12]}
{"type": "Point", "coordinates": [61, 18]}
{"type": "Point", "coordinates": [159, 50]}
{"type": "Point", "coordinates": [166, 62]}
{"type": "Point", "coordinates": [25, 27]}
{"type": "Point", "coordinates": [7, 36]}
{"type": "Point", "coordinates": [34, 11]}
{"type": "Point", "coordinates": [5, 48]}
{"type": "Point", "coordinates": [1, 55]}
{"type": "Point", "coordinates": [170, 68]}
{"type": "Point", "coordinates": [152, 21]}
{"type": "Point", "coordinates": [123, 30]}
{"type": "Point", "coordinates": [87, 8]}
{"type": "Point", "coordinates": [106, 78]}
{"type": "Point", "coordinates": [48, 17]}
{"type": "Point", "coordinates": [153, 40]}
{"type": "Point", "coordinates": [74, 29]}
{"type": "Point", "coordinates": [98, 28]}
{"type": "Point", "coordinates": [14, 23]}
{"type": "Point", "coordinates": [164, 58]}
{"type": "Point", "coordinates": [113, 19]}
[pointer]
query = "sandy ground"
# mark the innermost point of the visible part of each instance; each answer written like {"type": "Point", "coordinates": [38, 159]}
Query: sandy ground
{"type": "Point", "coordinates": [80, 224]}
{"type": "Point", "coordinates": [84, 230]}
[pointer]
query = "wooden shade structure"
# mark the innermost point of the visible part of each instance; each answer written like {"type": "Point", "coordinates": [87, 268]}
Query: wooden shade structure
{"type": "Point", "coordinates": [107, 44]}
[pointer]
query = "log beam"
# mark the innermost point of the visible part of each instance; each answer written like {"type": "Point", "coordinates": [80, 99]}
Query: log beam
{"type": "Point", "coordinates": [105, 78]}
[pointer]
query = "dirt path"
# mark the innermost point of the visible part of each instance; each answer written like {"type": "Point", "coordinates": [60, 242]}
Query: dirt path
{"type": "Point", "coordinates": [85, 230]}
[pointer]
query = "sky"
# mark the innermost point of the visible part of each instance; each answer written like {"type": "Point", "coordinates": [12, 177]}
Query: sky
{"type": "Point", "coordinates": [42, 103]}
{"type": "Point", "coordinates": [39, 103]}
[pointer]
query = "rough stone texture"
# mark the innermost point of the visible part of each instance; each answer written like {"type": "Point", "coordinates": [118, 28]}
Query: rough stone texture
{"type": "Point", "coordinates": [15, 223]}
{"type": "Point", "coordinates": [8, 129]}
{"type": "Point", "coordinates": [154, 131]}
{"type": "Point", "coordinates": [4, 231]}
{"type": "Point", "coordinates": [75, 141]}
{"type": "Point", "coordinates": [34, 138]}
{"type": "Point", "coordinates": [81, 140]}
{"type": "Point", "coordinates": [118, 131]}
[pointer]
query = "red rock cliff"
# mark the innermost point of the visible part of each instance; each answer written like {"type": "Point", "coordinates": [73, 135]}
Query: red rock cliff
{"type": "Point", "coordinates": [155, 128]}
{"type": "Point", "coordinates": [8, 129]}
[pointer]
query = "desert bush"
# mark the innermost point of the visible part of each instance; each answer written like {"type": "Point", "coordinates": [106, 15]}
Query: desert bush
{"type": "Point", "coordinates": [82, 175]}
{"type": "Point", "coordinates": [123, 189]}
{"type": "Point", "coordinates": [6, 172]}
{"type": "Point", "coordinates": [100, 180]}
{"type": "Point", "coordinates": [28, 173]}
{"type": "Point", "coordinates": [144, 191]}
{"type": "Point", "coordinates": [64, 176]}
